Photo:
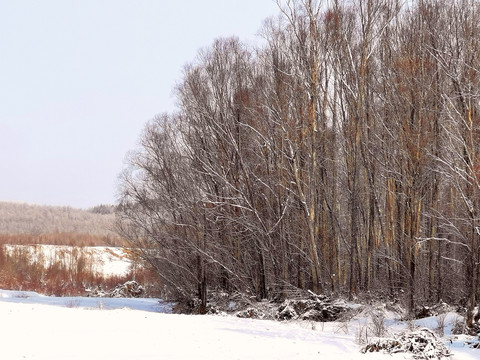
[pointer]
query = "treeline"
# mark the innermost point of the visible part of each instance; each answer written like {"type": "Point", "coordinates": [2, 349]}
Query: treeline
{"type": "Point", "coordinates": [19, 218]}
{"type": "Point", "coordinates": [66, 239]}
{"type": "Point", "coordinates": [342, 155]}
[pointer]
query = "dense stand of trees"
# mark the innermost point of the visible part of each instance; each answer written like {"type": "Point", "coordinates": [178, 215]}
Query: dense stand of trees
{"type": "Point", "coordinates": [39, 220]}
{"type": "Point", "coordinates": [343, 155]}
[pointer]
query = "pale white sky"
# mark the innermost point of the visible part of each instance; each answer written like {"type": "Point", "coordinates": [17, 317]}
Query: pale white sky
{"type": "Point", "coordinates": [79, 80]}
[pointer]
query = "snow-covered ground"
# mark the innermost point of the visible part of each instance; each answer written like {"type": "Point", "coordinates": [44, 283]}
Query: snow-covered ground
{"type": "Point", "coordinates": [39, 327]}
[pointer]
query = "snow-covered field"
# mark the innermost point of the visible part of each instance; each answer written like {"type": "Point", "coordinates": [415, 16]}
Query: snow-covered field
{"type": "Point", "coordinates": [39, 327]}
{"type": "Point", "coordinates": [103, 260]}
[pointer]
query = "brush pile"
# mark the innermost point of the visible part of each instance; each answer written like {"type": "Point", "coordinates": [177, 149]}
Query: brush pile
{"type": "Point", "coordinates": [423, 344]}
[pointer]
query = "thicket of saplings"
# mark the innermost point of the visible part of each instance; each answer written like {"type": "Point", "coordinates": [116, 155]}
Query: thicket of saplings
{"type": "Point", "coordinates": [69, 272]}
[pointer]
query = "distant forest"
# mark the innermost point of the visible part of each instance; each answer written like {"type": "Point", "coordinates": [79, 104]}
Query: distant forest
{"type": "Point", "coordinates": [342, 155]}
{"type": "Point", "coordinates": [55, 225]}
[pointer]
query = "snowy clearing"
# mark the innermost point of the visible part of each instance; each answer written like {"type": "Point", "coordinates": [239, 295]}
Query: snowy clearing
{"type": "Point", "coordinates": [40, 327]}
{"type": "Point", "coordinates": [103, 260]}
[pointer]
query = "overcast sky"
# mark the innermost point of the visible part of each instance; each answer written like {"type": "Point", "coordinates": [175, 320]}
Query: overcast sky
{"type": "Point", "coordinates": [79, 80]}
